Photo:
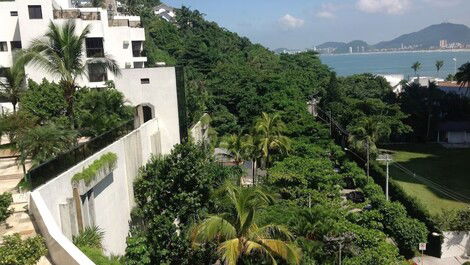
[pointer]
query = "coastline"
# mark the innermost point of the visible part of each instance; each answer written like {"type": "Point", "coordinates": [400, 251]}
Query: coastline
{"type": "Point", "coordinates": [394, 52]}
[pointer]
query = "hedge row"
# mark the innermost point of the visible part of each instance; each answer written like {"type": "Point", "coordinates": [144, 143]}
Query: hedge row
{"type": "Point", "coordinates": [414, 208]}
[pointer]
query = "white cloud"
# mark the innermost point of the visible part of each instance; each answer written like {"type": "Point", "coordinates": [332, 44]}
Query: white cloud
{"type": "Point", "coordinates": [325, 14]}
{"type": "Point", "coordinates": [290, 22]}
{"type": "Point", "coordinates": [327, 11]}
{"type": "Point", "coordinates": [392, 7]}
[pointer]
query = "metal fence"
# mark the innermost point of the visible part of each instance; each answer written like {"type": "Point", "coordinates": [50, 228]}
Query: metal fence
{"type": "Point", "coordinates": [59, 164]}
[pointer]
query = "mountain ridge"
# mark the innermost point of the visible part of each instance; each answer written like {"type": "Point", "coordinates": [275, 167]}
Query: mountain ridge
{"type": "Point", "coordinates": [426, 38]}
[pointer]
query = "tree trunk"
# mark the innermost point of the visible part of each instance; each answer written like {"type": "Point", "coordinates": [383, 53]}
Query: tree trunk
{"type": "Point", "coordinates": [69, 94]}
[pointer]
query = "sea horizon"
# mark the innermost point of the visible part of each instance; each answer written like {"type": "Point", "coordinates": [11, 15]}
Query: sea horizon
{"type": "Point", "coordinates": [398, 62]}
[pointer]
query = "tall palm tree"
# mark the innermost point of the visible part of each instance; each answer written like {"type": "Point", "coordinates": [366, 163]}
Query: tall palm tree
{"type": "Point", "coordinates": [439, 65]}
{"type": "Point", "coordinates": [463, 77]}
{"type": "Point", "coordinates": [252, 152]}
{"type": "Point", "coordinates": [61, 53]}
{"type": "Point", "coordinates": [270, 129]}
{"type": "Point", "coordinates": [366, 133]}
{"type": "Point", "coordinates": [416, 67]}
{"type": "Point", "coordinates": [13, 83]}
{"type": "Point", "coordinates": [238, 235]}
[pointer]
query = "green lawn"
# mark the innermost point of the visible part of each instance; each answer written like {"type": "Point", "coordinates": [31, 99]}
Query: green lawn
{"type": "Point", "coordinates": [448, 167]}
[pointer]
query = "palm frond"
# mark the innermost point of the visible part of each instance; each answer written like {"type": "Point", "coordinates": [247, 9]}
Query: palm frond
{"type": "Point", "coordinates": [230, 251]}
{"type": "Point", "coordinates": [212, 228]}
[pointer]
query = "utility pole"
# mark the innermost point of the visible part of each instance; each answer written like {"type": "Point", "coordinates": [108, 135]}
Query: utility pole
{"type": "Point", "coordinates": [387, 160]}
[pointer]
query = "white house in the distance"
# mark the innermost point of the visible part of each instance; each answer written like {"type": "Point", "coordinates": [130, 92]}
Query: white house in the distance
{"type": "Point", "coordinates": [454, 132]}
{"type": "Point", "coordinates": [166, 12]}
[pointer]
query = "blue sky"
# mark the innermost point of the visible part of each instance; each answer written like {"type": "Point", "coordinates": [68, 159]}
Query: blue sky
{"type": "Point", "coordinates": [303, 23]}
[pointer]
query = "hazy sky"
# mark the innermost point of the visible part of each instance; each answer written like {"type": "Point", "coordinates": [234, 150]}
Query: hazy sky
{"type": "Point", "coordinates": [304, 23]}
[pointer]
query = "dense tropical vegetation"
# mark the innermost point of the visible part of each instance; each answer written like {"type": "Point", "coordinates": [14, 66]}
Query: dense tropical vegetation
{"type": "Point", "coordinates": [258, 104]}
{"type": "Point", "coordinates": [188, 208]}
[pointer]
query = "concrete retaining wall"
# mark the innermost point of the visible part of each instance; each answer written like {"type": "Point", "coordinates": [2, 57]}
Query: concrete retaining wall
{"type": "Point", "coordinates": [112, 197]}
{"type": "Point", "coordinates": [456, 244]}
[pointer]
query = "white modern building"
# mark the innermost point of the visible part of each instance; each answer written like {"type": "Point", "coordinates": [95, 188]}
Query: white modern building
{"type": "Point", "coordinates": [121, 37]}
{"type": "Point", "coordinates": [158, 94]}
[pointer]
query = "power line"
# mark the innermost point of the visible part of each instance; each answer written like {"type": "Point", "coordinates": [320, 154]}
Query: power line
{"type": "Point", "coordinates": [429, 183]}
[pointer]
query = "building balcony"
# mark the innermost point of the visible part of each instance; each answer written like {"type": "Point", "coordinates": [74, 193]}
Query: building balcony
{"type": "Point", "coordinates": [76, 14]}
{"type": "Point", "coordinates": [124, 23]}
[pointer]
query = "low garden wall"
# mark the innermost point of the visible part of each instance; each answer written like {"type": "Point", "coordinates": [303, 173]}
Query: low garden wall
{"type": "Point", "coordinates": [112, 198]}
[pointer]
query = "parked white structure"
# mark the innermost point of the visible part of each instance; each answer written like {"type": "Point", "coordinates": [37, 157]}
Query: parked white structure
{"type": "Point", "coordinates": [166, 12]}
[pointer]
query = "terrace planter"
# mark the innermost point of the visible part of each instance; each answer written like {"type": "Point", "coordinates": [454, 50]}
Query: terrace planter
{"type": "Point", "coordinates": [83, 187]}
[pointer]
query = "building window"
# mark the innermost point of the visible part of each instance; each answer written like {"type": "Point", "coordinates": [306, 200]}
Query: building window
{"type": "Point", "coordinates": [94, 47]}
{"type": "Point", "coordinates": [138, 64]}
{"type": "Point", "coordinates": [145, 81]}
{"type": "Point", "coordinates": [3, 71]}
{"type": "Point", "coordinates": [97, 73]}
{"type": "Point", "coordinates": [3, 46]}
{"type": "Point", "coordinates": [14, 13]}
{"type": "Point", "coordinates": [35, 12]}
{"type": "Point", "coordinates": [15, 45]}
{"type": "Point", "coordinates": [137, 48]}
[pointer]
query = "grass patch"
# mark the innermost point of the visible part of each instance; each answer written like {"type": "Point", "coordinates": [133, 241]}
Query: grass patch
{"type": "Point", "coordinates": [96, 255]}
{"type": "Point", "coordinates": [88, 174]}
{"type": "Point", "coordinates": [448, 167]}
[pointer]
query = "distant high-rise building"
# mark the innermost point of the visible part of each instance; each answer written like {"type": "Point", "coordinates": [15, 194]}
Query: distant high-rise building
{"type": "Point", "coordinates": [443, 44]}
{"type": "Point", "coordinates": [350, 50]}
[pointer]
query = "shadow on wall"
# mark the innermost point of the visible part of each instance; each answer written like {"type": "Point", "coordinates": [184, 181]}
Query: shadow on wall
{"type": "Point", "coordinates": [103, 184]}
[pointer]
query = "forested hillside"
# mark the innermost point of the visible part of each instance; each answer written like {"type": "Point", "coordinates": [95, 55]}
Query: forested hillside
{"type": "Point", "coordinates": [248, 90]}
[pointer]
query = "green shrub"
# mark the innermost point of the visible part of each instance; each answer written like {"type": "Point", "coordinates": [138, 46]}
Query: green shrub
{"type": "Point", "coordinates": [88, 174]}
{"type": "Point", "coordinates": [408, 233]}
{"type": "Point", "coordinates": [96, 255]}
{"type": "Point", "coordinates": [5, 201]}
{"type": "Point", "coordinates": [89, 237]}
{"type": "Point", "coordinates": [14, 251]}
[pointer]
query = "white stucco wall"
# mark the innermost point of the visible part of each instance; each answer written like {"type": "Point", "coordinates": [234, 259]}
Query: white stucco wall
{"type": "Point", "coordinates": [112, 205]}
{"type": "Point", "coordinates": [160, 93]}
{"type": "Point", "coordinates": [8, 31]}
{"type": "Point", "coordinates": [456, 244]}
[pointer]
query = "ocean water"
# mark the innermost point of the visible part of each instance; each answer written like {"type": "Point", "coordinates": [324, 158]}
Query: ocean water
{"type": "Point", "coordinates": [395, 63]}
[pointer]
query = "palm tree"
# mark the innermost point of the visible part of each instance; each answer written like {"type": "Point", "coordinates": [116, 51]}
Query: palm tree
{"type": "Point", "coordinates": [234, 144]}
{"type": "Point", "coordinates": [60, 52]}
{"type": "Point", "coordinates": [270, 129]}
{"type": "Point", "coordinates": [366, 133]}
{"type": "Point", "coordinates": [238, 235]}
{"type": "Point", "coordinates": [42, 143]}
{"type": "Point", "coordinates": [416, 67]}
{"type": "Point", "coordinates": [252, 152]}
{"type": "Point", "coordinates": [13, 84]}
{"type": "Point", "coordinates": [463, 77]}
{"type": "Point", "coordinates": [439, 65]}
